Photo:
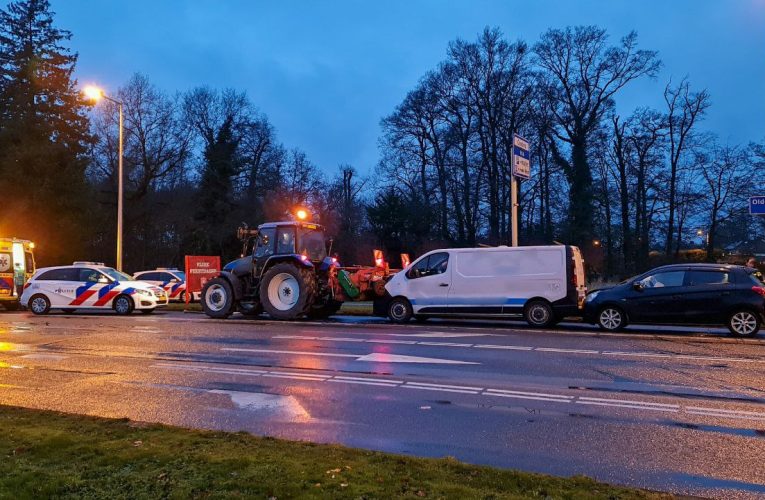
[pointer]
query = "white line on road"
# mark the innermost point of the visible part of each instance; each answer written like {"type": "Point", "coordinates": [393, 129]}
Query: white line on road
{"type": "Point", "coordinates": [556, 350]}
{"type": "Point", "coordinates": [374, 357]}
{"type": "Point", "coordinates": [301, 353]}
{"type": "Point", "coordinates": [489, 392]}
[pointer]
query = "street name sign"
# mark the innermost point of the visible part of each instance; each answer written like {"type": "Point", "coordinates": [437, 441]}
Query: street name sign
{"type": "Point", "coordinates": [521, 157]}
{"type": "Point", "coordinates": [757, 205]}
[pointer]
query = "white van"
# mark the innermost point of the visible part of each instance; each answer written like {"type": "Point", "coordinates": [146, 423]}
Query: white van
{"type": "Point", "coordinates": [543, 284]}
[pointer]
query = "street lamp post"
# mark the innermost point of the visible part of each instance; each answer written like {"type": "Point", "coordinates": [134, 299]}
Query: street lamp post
{"type": "Point", "coordinates": [95, 94]}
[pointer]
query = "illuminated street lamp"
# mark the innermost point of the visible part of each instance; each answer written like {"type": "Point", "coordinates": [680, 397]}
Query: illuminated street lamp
{"type": "Point", "coordinates": [95, 94]}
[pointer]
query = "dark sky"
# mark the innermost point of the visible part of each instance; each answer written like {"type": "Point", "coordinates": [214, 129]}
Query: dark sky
{"type": "Point", "coordinates": [325, 72]}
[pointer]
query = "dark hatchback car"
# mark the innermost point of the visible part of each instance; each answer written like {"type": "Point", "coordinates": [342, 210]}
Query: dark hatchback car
{"type": "Point", "coordinates": [692, 293]}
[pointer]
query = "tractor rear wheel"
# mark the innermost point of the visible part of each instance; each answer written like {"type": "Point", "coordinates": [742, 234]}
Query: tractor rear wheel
{"type": "Point", "coordinates": [287, 291]}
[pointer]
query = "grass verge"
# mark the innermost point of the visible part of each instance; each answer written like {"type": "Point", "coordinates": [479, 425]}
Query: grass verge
{"type": "Point", "coordinates": [49, 454]}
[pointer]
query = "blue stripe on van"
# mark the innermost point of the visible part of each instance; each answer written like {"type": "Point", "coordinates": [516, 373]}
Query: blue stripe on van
{"type": "Point", "coordinates": [472, 301]}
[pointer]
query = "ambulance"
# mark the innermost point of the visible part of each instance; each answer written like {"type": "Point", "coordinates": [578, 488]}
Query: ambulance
{"type": "Point", "coordinates": [17, 265]}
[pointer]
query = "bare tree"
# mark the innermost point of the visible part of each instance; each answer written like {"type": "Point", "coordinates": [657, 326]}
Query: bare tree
{"type": "Point", "coordinates": [580, 78]}
{"type": "Point", "coordinates": [684, 110]}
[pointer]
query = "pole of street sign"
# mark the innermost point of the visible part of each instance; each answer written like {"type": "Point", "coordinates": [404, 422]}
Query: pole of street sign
{"type": "Point", "coordinates": [521, 167]}
{"type": "Point", "coordinates": [514, 210]}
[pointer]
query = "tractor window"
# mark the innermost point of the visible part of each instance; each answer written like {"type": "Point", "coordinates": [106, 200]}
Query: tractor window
{"type": "Point", "coordinates": [312, 245]}
{"type": "Point", "coordinates": [264, 249]}
{"type": "Point", "coordinates": [285, 240]}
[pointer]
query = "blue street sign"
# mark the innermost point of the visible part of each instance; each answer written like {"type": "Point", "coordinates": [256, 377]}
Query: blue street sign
{"type": "Point", "coordinates": [521, 157]}
{"type": "Point", "coordinates": [757, 205]}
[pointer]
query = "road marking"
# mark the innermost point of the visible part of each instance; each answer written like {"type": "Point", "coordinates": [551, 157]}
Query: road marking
{"type": "Point", "coordinates": [286, 407]}
{"type": "Point", "coordinates": [375, 357]}
{"type": "Point", "coordinates": [564, 399]}
{"type": "Point", "coordinates": [382, 357]}
{"type": "Point", "coordinates": [437, 389]}
{"type": "Point", "coordinates": [300, 353]}
{"type": "Point", "coordinates": [555, 350]}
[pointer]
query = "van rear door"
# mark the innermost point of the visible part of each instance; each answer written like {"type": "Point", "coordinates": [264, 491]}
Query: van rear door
{"type": "Point", "coordinates": [576, 275]}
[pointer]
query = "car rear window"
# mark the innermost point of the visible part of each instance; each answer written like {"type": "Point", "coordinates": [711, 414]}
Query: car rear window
{"type": "Point", "coordinates": [756, 278]}
{"type": "Point", "coordinates": [699, 278]}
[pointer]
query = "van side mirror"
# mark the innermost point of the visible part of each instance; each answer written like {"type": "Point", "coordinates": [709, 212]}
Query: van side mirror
{"type": "Point", "coordinates": [637, 286]}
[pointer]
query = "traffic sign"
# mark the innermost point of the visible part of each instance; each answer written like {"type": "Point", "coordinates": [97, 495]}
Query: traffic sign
{"type": "Point", "coordinates": [521, 157]}
{"type": "Point", "coordinates": [757, 205]}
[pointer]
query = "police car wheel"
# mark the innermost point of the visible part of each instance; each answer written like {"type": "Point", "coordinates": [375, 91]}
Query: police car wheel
{"type": "Point", "coordinates": [39, 304]}
{"type": "Point", "coordinates": [123, 304]}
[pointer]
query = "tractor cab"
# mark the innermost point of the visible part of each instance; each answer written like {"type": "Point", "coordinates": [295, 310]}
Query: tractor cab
{"type": "Point", "coordinates": [293, 238]}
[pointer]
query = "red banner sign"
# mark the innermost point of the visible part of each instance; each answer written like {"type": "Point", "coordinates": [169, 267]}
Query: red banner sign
{"type": "Point", "coordinates": [199, 269]}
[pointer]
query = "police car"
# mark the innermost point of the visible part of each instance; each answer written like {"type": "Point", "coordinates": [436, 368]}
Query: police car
{"type": "Point", "coordinates": [172, 280]}
{"type": "Point", "coordinates": [89, 285]}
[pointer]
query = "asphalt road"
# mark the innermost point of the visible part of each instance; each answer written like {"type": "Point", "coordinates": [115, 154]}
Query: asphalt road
{"type": "Point", "coordinates": [679, 410]}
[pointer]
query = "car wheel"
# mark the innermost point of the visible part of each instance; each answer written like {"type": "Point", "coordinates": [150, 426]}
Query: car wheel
{"type": "Point", "coordinates": [612, 319]}
{"type": "Point", "coordinates": [39, 304]}
{"type": "Point", "coordinates": [68, 311]}
{"type": "Point", "coordinates": [123, 305]}
{"type": "Point", "coordinates": [218, 298]}
{"type": "Point", "coordinates": [399, 310]}
{"type": "Point", "coordinates": [147, 311]}
{"type": "Point", "coordinates": [539, 314]}
{"type": "Point", "coordinates": [182, 297]}
{"type": "Point", "coordinates": [744, 323]}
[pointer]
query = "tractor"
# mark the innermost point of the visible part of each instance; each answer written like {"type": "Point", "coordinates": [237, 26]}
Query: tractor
{"type": "Point", "coordinates": [289, 274]}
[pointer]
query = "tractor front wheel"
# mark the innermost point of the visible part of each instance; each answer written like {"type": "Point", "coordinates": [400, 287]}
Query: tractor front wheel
{"type": "Point", "coordinates": [218, 298]}
{"type": "Point", "coordinates": [287, 292]}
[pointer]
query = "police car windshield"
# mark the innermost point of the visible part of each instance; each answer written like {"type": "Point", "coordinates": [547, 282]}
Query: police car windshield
{"type": "Point", "coordinates": [181, 276]}
{"type": "Point", "coordinates": [115, 275]}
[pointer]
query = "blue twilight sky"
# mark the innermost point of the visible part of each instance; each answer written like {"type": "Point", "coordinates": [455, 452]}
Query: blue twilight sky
{"type": "Point", "coordinates": [325, 72]}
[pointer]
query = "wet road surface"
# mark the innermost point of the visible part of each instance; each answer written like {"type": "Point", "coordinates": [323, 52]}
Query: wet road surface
{"type": "Point", "coordinates": [680, 409]}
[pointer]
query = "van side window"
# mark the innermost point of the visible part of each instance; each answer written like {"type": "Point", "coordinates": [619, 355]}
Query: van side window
{"type": "Point", "coordinates": [433, 264]}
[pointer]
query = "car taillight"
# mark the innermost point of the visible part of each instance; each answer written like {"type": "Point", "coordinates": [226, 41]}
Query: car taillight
{"type": "Point", "coordinates": [759, 289]}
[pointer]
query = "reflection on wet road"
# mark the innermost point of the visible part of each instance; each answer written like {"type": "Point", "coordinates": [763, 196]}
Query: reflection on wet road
{"type": "Point", "coordinates": [669, 409]}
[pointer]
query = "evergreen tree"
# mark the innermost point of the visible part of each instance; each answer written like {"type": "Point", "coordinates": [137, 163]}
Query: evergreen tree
{"type": "Point", "coordinates": [216, 196]}
{"type": "Point", "coordinates": [43, 133]}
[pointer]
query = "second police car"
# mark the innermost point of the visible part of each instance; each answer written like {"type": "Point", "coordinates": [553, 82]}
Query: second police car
{"type": "Point", "coordinates": [172, 280]}
{"type": "Point", "coordinates": [89, 285]}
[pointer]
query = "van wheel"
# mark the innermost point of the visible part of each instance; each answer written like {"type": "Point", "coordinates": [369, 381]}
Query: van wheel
{"type": "Point", "coordinates": [399, 310]}
{"type": "Point", "coordinates": [123, 305]}
{"type": "Point", "coordinates": [39, 304]}
{"type": "Point", "coordinates": [744, 323]}
{"type": "Point", "coordinates": [539, 314]}
{"type": "Point", "coordinates": [612, 319]}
